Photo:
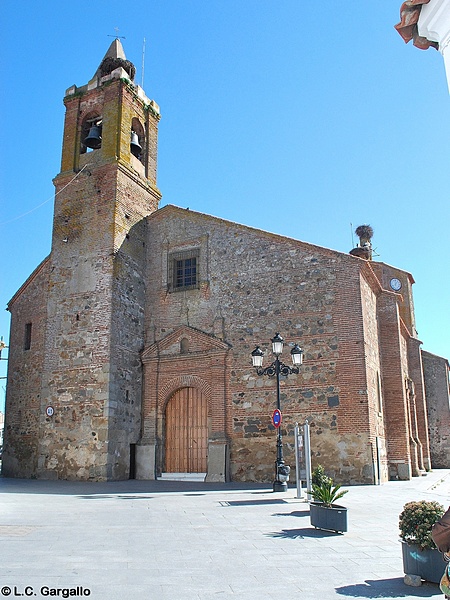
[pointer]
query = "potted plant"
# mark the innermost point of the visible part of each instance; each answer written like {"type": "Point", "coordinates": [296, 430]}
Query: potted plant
{"type": "Point", "coordinates": [324, 512]}
{"type": "Point", "coordinates": [420, 555]}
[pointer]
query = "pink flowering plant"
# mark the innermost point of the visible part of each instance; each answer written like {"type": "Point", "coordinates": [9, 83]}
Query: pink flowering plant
{"type": "Point", "coordinates": [416, 521]}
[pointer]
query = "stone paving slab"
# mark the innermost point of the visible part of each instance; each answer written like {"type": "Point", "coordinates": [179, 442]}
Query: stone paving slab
{"type": "Point", "coordinates": [198, 541]}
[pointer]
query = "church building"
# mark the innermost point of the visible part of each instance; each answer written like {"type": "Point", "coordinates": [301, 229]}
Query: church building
{"type": "Point", "coordinates": [130, 348]}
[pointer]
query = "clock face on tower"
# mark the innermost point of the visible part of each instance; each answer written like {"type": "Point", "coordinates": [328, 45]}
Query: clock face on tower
{"type": "Point", "coordinates": [395, 284]}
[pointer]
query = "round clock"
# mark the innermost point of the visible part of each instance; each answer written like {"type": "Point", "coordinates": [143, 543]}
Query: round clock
{"type": "Point", "coordinates": [395, 284]}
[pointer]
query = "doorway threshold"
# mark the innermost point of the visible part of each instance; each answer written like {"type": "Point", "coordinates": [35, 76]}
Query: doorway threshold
{"type": "Point", "coordinates": [182, 476]}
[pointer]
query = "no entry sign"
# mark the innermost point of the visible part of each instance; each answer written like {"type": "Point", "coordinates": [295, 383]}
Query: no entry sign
{"type": "Point", "coordinates": [276, 418]}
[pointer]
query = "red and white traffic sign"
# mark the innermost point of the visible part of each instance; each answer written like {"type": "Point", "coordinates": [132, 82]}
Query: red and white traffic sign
{"type": "Point", "coordinates": [276, 418]}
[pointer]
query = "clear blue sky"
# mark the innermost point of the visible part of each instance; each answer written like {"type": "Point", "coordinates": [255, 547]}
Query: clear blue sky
{"type": "Point", "coordinates": [294, 117]}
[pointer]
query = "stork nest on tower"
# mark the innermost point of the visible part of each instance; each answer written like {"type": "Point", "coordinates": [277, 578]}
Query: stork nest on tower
{"type": "Point", "coordinates": [109, 63]}
{"type": "Point", "coordinates": [364, 231]}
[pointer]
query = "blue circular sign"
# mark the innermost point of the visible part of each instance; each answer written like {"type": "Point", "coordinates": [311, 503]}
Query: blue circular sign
{"type": "Point", "coordinates": [276, 418]}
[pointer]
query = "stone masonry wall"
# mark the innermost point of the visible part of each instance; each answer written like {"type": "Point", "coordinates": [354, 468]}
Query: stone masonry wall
{"type": "Point", "coordinates": [123, 407]}
{"type": "Point", "coordinates": [252, 285]}
{"type": "Point", "coordinates": [23, 396]}
{"type": "Point", "coordinates": [92, 373]}
{"type": "Point", "coordinates": [436, 374]}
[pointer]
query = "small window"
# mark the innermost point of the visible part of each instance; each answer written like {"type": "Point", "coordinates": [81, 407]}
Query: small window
{"type": "Point", "coordinates": [184, 346]}
{"type": "Point", "coordinates": [27, 341]}
{"type": "Point", "coordinates": [184, 270]}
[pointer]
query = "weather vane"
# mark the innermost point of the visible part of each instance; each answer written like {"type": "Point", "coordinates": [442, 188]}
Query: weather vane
{"type": "Point", "coordinates": [117, 36]}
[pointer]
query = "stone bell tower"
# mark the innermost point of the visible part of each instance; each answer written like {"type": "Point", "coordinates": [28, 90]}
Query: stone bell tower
{"type": "Point", "coordinates": [92, 374]}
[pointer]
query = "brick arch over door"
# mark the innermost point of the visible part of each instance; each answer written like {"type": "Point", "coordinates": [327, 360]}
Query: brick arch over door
{"type": "Point", "coordinates": [183, 381]}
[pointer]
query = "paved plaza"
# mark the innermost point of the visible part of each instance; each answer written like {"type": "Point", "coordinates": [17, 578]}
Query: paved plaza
{"type": "Point", "coordinates": [172, 540]}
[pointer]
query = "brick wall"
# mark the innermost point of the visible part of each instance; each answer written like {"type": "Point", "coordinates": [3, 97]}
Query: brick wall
{"type": "Point", "coordinates": [394, 393]}
{"type": "Point", "coordinates": [204, 364]}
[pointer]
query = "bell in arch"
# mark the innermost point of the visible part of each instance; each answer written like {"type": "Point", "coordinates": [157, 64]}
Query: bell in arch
{"type": "Point", "coordinates": [135, 147]}
{"type": "Point", "coordinates": [94, 137]}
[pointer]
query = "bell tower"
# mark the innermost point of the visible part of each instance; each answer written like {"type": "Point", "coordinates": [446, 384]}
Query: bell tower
{"type": "Point", "coordinates": [92, 373]}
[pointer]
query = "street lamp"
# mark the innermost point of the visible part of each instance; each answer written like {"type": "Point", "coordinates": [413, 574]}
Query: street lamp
{"type": "Point", "coordinates": [276, 369]}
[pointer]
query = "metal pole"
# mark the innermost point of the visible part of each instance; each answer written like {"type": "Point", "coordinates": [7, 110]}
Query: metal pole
{"type": "Point", "coordinates": [279, 486]}
{"type": "Point", "coordinates": [307, 460]}
{"type": "Point", "coordinates": [298, 461]}
{"type": "Point", "coordinates": [279, 437]}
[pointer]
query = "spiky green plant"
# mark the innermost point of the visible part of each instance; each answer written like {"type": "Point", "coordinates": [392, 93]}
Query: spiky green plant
{"type": "Point", "coordinates": [327, 493]}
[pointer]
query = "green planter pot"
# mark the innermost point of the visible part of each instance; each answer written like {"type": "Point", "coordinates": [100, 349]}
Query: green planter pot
{"type": "Point", "coordinates": [429, 564]}
{"type": "Point", "coordinates": [331, 518]}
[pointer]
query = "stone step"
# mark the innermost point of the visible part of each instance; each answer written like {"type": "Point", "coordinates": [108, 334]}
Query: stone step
{"type": "Point", "coordinates": [182, 476]}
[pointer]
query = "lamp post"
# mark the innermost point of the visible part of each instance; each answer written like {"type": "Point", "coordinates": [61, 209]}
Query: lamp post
{"type": "Point", "coordinates": [276, 369]}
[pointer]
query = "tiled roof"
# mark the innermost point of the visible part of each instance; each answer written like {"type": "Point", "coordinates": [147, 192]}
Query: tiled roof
{"type": "Point", "coordinates": [407, 28]}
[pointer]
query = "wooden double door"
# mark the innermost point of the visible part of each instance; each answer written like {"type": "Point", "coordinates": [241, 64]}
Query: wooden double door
{"type": "Point", "coordinates": [186, 440]}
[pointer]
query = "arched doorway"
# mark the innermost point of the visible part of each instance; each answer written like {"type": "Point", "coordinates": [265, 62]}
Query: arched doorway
{"type": "Point", "coordinates": [186, 447]}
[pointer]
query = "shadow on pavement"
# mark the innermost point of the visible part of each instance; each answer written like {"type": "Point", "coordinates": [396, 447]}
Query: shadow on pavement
{"type": "Point", "coordinates": [131, 486]}
{"type": "Point", "coordinates": [294, 513]}
{"type": "Point", "coordinates": [305, 532]}
{"type": "Point", "coordinates": [388, 588]}
{"type": "Point", "coordinates": [253, 502]}
{"type": "Point", "coordinates": [115, 496]}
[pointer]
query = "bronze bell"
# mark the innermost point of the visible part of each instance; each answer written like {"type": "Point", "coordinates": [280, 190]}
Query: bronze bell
{"type": "Point", "coordinates": [135, 147]}
{"type": "Point", "coordinates": [94, 137]}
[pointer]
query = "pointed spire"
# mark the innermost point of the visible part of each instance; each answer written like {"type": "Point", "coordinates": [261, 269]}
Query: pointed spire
{"type": "Point", "coordinates": [115, 57]}
{"type": "Point", "coordinates": [115, 50]}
